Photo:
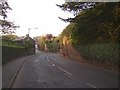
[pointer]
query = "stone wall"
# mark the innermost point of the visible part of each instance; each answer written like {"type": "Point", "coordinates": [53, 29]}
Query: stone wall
{"type": "Point", "coordinates": [11, 53]}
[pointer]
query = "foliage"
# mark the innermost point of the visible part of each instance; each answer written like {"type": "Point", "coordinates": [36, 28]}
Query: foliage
{"type": "Point", "coordinates": [9, 37]}
{"type": "Point", "coordinates": [95, 32]}
{"type": "Point", "coordinates": [9, 40]}
{"type": "Point", "coordinates": [27, 45]}
{"type": "Point", "coordinates": [100, 52]}
{"type": "Point", "coordinates": [76, 8]}
{"type": "Point", "coordinates": [48, 36]}
{"type": "Point", "coordinates": [53, 46]}
{"type": "Point", "coordinates": [10, 44]}
{"type": "Point", "coordinates": [3, 8]}
{"type": "Point", "coordinates": [5, 25]}
{"type": "Point", "coordinates": [41, 42]}
{"type": "Point", "coordinates": [94, 25]}
{"type": "Point", "coordinates": [48, 43]}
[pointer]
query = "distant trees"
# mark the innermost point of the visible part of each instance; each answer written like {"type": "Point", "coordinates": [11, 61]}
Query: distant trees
{"type": "Point", "coordinates": [9, 37]}
{"type": "Point", "coordinates": [40, 42]}
{"type": "Point", "coordinates": [49, 37]}
{"type": "Point", "coordinates": [48, 43]}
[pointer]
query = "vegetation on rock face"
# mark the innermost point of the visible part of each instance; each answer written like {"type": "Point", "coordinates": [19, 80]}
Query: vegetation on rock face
{"type": "Point", "coordinates": [95, 32]}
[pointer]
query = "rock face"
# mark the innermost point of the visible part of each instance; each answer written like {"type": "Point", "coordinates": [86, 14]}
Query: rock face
{"type": "Point", "coordinates": [68, 51]}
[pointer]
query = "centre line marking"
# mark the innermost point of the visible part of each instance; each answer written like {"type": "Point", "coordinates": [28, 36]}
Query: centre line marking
{"type": "Point", "coordinates": [53, 65]}
{"type": "Point", "coordinates": [47, 58]}
{"type": "Point", "coordinates": [91, 85]}
{"type": "Point", "coordinates": [58, 67]}
{"type": "Point", "coordinates": [50, 62]}
{"type": "Point", "coordinates": [36, 60]}
{"type": "Point", "coordinates": [64, 71]}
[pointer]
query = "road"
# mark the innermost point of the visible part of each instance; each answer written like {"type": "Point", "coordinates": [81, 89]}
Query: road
{"type": "Point", "coordinates": [48, 70]}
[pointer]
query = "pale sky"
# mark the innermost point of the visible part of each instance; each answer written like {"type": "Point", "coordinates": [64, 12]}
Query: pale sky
{"type": "Point", "coordinates": [42, 14]}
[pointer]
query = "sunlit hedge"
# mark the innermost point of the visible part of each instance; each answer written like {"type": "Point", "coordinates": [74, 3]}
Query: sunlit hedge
{"type": "Point", "coordinates": [106, 53]}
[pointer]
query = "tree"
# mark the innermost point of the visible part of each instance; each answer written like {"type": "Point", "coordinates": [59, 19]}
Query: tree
{"type": "Point", "coordinates": [95, 25]}
{"type": "Point", "coordinates": [9, 37]}
{"type": "Point", "coordinates": [75, 8]}
{"type": "Point", "coordinates": [5, 25]}
{"type": "Point", "coordinates": [40, 42]}
{"type": "Point", "coordinates": [49, 37]}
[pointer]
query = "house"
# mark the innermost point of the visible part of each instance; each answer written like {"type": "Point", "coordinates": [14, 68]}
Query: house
{"type": "Point", "coordinates": [19, 40]}
{"type": "Point", "coordinates": [22, 40]}
{"type": "Point", "coordinates": [27, 38]}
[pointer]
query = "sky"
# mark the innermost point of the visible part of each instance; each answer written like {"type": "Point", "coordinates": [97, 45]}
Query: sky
{"type": "Point", "coordinates": [39, 15]}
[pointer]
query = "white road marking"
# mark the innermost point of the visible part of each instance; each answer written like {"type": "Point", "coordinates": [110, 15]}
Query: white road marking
{"type": "Point", "coordinates": [91, 85]}
{"type": "Point", "coordinates": [61, 63]}
{"type": "Point", "coordinates": [53, 65]}
{"type": "Point", "coordinates": [36, 60]}
{"type": "Point", "coordinates": [50, 62]}
{"type": "Point", "coordinates": [47, 58]}
{"type": "Point", "coordinates": [64, 71]}
{"type": "Point", "coordinates": [58, 67]}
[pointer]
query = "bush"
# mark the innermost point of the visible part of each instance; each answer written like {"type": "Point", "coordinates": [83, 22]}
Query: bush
{"type": "Point", "coordinates": [105, 53]}
{"type": "Point", "coordinates": [53, 46]}
{"type": "Point", "coordinates": [9, 43]}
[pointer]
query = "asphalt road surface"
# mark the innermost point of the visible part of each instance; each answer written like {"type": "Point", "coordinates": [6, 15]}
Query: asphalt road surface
{"type": "Point", "coordinates": [47, 70]}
